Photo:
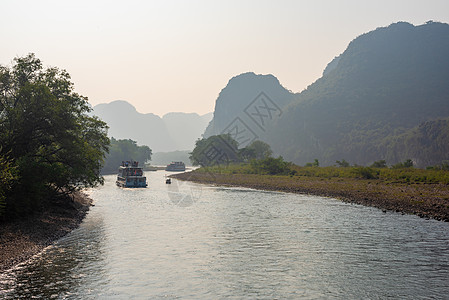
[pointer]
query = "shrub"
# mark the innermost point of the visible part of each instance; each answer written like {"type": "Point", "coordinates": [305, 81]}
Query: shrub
{"type": "Point", "coordinates": [366, 172]}
{"type": "Point", "coordinates": [406, 164]}
{"type": "Point", "coordinates": [379, 164]}
{"type": "Point", "coordinates": [343, 163]}
{"type": "Point", "coordinates": [271, 166]}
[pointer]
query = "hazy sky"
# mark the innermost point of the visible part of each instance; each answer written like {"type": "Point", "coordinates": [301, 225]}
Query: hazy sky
{"type": "Point", "coordinates": [165, 56]}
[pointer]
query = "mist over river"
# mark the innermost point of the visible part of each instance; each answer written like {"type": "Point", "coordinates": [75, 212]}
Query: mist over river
{"type": "Point", "coordinates": [192, 241]}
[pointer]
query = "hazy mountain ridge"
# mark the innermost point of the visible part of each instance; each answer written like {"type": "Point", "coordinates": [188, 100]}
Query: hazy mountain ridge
{"type": "Point", "coordinates": [168, 133]}
{"type": "Point", "coordinates": [371, 98]}
{"type": "Point", "coordinates": [386, 82]}
{"type": "Point", "coordinates": [241, 93]}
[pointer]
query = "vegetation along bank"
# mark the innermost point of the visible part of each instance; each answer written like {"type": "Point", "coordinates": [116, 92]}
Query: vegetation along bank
{"type": "Point", "coordinates": [406, 190]}
{"type": "Point", "coordinates": [51, 147]}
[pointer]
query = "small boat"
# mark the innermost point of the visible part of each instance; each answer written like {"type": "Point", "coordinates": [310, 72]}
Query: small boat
{"type": "Point", "coordinates": [131, 175]}
{"type": "Point", "coordinates": [176, 166]}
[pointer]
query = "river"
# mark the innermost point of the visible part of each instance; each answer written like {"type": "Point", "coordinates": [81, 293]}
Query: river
{"type": "Point", "coordinates": [191, 241]}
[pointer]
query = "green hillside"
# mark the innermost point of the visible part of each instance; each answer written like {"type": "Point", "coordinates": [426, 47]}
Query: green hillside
{"type": "Point", "coordinates": [371, 101]}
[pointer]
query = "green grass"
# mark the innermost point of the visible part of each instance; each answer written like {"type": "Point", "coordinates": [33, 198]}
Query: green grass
{"type": "Point", "coordinates": [405, 175]}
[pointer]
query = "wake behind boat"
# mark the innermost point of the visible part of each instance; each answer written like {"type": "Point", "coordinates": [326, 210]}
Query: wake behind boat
{"type": "Point", "coordinates": [131, 175]}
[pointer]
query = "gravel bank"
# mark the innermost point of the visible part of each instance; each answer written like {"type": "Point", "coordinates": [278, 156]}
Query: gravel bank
{"type": "Point", "coordinates": [424, 200]}
{"type": "Point", "coordinates": [22, 239]}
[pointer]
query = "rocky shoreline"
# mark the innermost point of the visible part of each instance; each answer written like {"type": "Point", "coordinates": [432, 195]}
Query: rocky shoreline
{"type": "Point", "coordinates": [22, 239]}
{"type": "Point", "coordinates": [423, 200]}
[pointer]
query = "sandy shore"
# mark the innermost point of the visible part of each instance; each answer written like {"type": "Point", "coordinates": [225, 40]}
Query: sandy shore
{"type": "Point", "coordinates": [22, 239]}
{"type": "Point", "coordinates": [424, 200]}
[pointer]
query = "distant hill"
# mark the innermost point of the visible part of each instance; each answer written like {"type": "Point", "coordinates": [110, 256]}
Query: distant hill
{"type": "Point", "coordinates": [240, 105]}
{"type": "Point", "coordinates": [185, 128]}
{"type": "Point", "coordinates": [385, 97]}
{"type": "Point", "coordinates": [174, 131]}
{"type": "Point", "coordinates": [387, 82]}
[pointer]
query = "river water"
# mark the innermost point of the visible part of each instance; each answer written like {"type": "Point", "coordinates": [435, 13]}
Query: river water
{"type": "Point", "coordinates": [190, 241]}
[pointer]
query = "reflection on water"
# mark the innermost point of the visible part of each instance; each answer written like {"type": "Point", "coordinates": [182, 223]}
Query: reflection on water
{"type": "Point", "coordinates": [190, 241]}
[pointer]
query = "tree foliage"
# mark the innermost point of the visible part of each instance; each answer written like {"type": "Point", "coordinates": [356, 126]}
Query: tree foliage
{"type": "Point", "coordinates": [223, 149]}
{"type": "Point", "coordinates": [47, 134]}
{"type": "Point", "coordinates": [215, 150]}
{"type": "Point", "coordinates": [261, 149]}
{"type": "Point", "coordinates": [402, 165]}
{"type": "Point", "coordinates": [315, 163]}
{"type": "Point", "coordinates": [343, 163]}
{"type": "Point", "coordinates": [272, 166]}
{"type": "Point", "coordinates": [123, 150]}
{"type": "Point", "coordinates": [7, 177]}
{"type": "Point", "coordinates": [379, 164]}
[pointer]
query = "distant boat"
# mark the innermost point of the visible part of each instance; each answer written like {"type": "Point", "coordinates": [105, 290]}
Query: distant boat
{"type": "Point", "coordinates": [176, 166]}
{"type": "Point", "coordinates": [131, 175]}
{"type": "Point", "coordinates": [151, 168]}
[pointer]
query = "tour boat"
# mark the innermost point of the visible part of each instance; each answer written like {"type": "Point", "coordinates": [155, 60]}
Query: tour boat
{"type": "Point", "coordinates": [131, 175]}
{"type": "Point", "coordinates": [176, 166]}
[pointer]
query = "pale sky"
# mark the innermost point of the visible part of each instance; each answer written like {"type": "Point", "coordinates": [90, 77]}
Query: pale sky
{"type": "Point", "coordinates": [167, 56]}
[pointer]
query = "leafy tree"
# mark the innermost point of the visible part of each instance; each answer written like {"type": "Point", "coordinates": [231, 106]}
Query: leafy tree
{"type": "Point", "coordinates": [215, 150]}
{"type": "Point", "coordinates": [406, 164]}
{"type": "Point", "coordinates": [47, 133]}
{"type": "Point", "coordinates": [260, 149]}
{"type": "Point", "coordinates": [379, 164]}
{"type": "Point", "coordinates": [271, 166]}
{"type": "Point", "coordinates": [365, 172]}
{"type": "Point", "coordinates": [343, 163]}
{"type": "Point", "coordinates": [7, 177]}
{"type": "Point", "coordinates": [316, 163]}
{"type": "Point", "coordinates": [246, 154]}
{"type": "Point", "coordinates": [122, 150]}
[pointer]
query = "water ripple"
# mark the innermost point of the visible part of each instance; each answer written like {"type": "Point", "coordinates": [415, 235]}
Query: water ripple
{"type": "Point", "coordinates": [189, 241]}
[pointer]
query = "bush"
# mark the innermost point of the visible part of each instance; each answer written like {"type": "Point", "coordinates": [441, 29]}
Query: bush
{"type": "Point", "coordinates": [379, 164]}
{"type": "Point", "coordinates": [406, 164]}
{"type": "Point", "coordinates": [316, 163]}
{"type": "Point", "coordinates": [366, 172]}
{"type": "Point", "coordinates": [343, 163]}
{"type": "Point", "coordinates": [272, 166]}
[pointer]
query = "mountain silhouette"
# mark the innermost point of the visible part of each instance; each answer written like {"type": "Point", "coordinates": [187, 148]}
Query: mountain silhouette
{"type": "Point", "coordinates": [174, 131]}
{"type": "Point", "coordinates": [373, 102]}
{"type": "Point", "coordinates": [241, 104]}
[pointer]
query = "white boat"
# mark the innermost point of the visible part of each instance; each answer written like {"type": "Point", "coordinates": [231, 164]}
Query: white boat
{"type": "Point", "coordinates": [176, 166]}
{"type": "Point", "coordinates": [131, 175]}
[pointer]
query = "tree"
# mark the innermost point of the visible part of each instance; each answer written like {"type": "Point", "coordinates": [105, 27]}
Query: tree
{"type": "Point", "coordinates": [406, 164]}
{"type": "Point", "coordinates": [379, 164]}
{"type": "Point", "coordinates": [47, 133]}
{"type": "Point", "coordinates": [7, 178]}
{"type": "Point", "coordinates": [261, 149]}
{"type": "Point", "coordinates": [272, 166]}
{"type": "Point", "coordinates": [316, 163]}
{"type": "Point", "coordinates": [343, 163]}
{"type": "Point", "coordinates": [246, 154]}
{"type": "Point", "coordinates": [121, 150]}
{"type": "Point", "coordinates": [215, 150]}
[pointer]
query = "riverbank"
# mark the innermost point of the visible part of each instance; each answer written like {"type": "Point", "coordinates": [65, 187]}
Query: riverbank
{"type": "Point", "coordinates": [22, 239]}
{"type": "Point", "coordinates": [425, 200]}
